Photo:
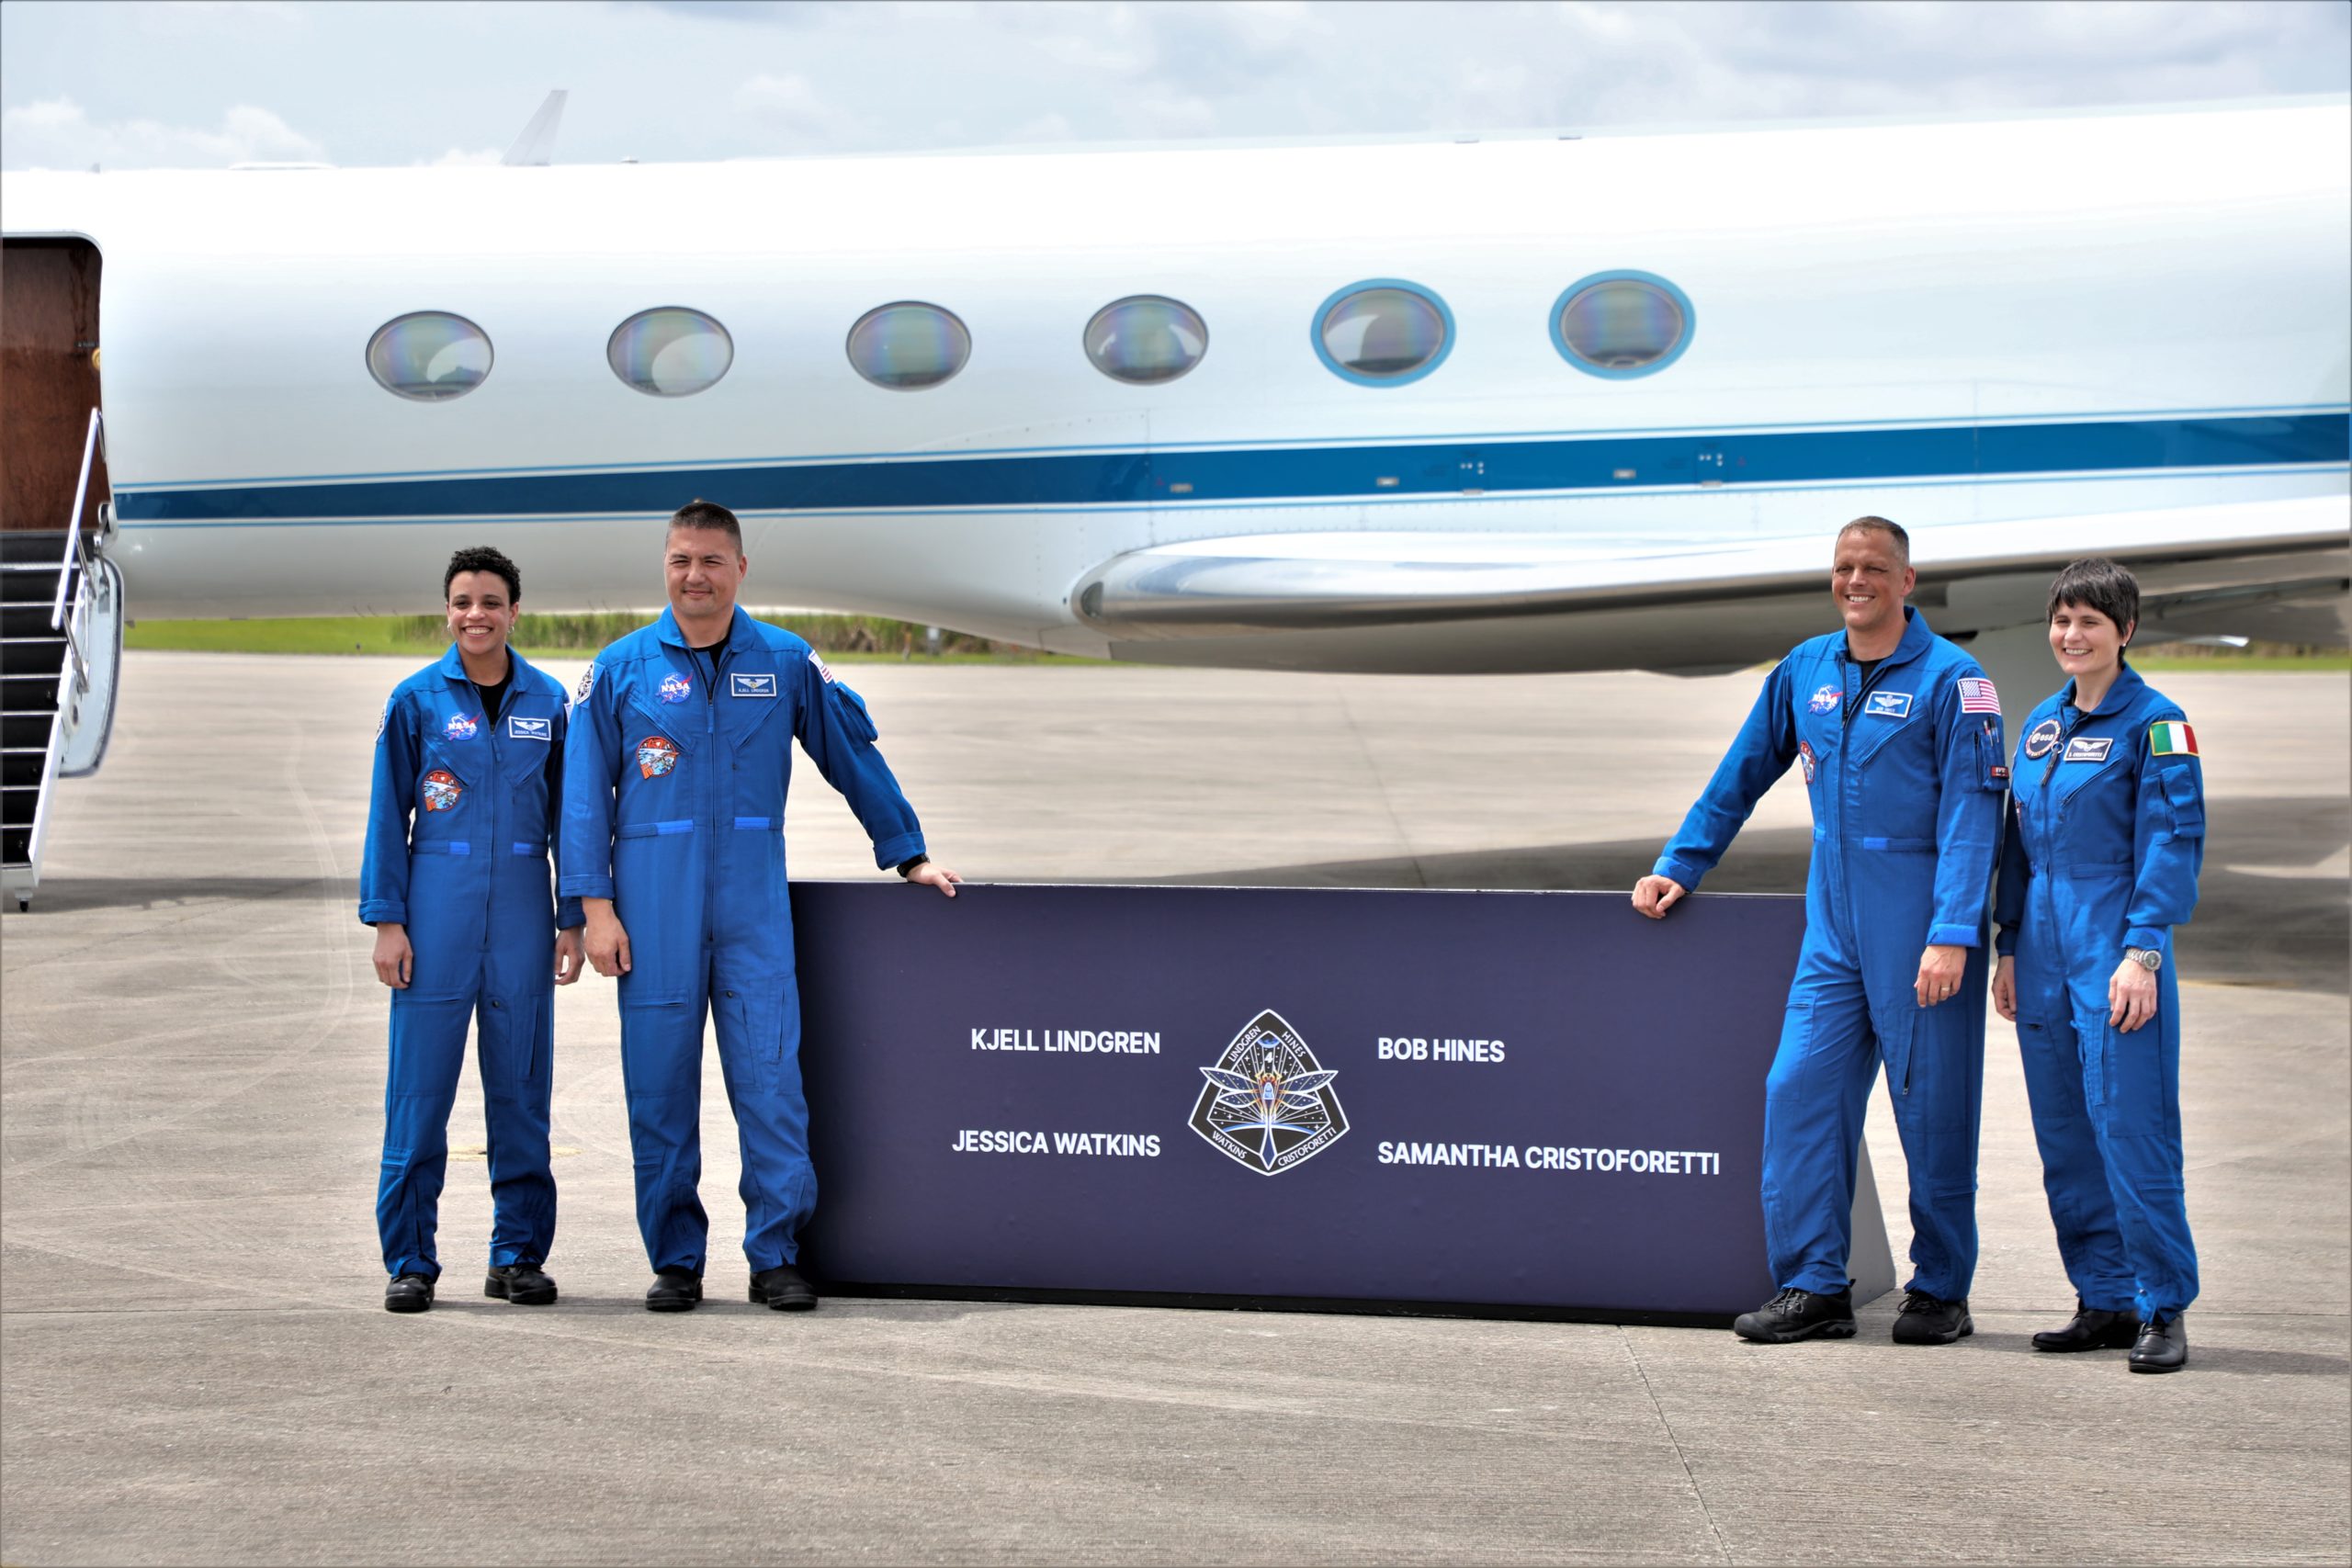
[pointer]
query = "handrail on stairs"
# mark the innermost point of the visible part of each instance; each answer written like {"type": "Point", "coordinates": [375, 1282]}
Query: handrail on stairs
{"type": "Point", "coordinates": [93, 445]}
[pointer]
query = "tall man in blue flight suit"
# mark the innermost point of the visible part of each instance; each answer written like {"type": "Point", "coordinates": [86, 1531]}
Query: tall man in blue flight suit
{"type": "Point", "coordinates": [454, 878]}
{"type": "Point", "coordinates": [2101, 863]}
{"type": "Point", "coordinates": [673, 840]}
{"type": "Point", "coordinates": [1899, 735]}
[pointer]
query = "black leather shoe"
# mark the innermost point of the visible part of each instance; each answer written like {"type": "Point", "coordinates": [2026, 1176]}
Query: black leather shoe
{"type": "Point", "coordinates": [1930, 1320]}
{"type": "Point", "coordinates": [522, 1283]}
{"type": "Point", "coordinates": [409, 1292]}
{"type": "Point", "coordinates": [674, 1290]}
{"type": "Point", "coordinates": [1795, 1314]}
{"type": "Point", "coordinates": [783, 1289]}
{"type": "Point", "coordinates": [2091, 1328]}
{"type": "Point", "coordinates": [2162, 1347]}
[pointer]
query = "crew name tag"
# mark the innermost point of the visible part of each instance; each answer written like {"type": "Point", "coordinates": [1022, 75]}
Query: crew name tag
{"type": "Point", "coordinates": [2084, 749]}
{"type": "Point", "coordinates": [1889, 704]}
{"type": "Point", "coordinates": [751, 685]}
{"type": "Point", "coordinates": [521, 728]}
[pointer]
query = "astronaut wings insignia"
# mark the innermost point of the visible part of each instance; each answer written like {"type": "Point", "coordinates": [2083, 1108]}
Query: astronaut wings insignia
{"type": "Point", "coordinates": [1268, 1103]}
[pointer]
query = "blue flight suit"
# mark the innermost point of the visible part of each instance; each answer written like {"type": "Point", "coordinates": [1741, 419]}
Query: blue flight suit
{"type": "Point", "coordinates": [680, 762]}
{"type": "Point", "coordinates": [460, 822]}
{"type": "Point", "coordinates": [1905, 769]}
{"type": "Point", "coordinates": [2107, 839]}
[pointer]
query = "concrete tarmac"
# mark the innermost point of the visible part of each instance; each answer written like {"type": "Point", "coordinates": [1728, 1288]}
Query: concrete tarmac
{"type": "Point", "coordinates": [194, 1367]}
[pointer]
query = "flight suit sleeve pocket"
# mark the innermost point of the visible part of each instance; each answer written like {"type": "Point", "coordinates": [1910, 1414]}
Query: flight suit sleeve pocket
{"type": "Point", "coordinates": [849, 708]}
{"type": "Point", "coordinates": [1992, 767]}
{"type": "Point", "coordinates": [2188, 802]}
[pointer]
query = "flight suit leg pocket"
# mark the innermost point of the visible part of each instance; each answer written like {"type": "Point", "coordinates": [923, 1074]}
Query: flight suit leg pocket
{"type": "Point", "coordinates": [750, 1038]}
{"type": "Point", "coordinates": [2132, 1078]}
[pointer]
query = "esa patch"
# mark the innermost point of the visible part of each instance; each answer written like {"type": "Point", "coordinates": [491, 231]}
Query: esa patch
{"type": "Point", "coordinates": [2088, 749]}
{"type": "Point", "coordinates": [1888, 705]}
{"type": "Point", "coordinates": [461, 726]}
{"type": "Point", "coordinates": [2044, 737]}
{"type": "Point", "coordinates": [1825, 699]}
{"type": "Point", "coordinates": [656, 755]}
{"type": "Point", "coordinates": [2172, 737]}
{"type": "Point", "coordinates": [521, 728]}
{"type": "Point", "coordinates": [1805, 757]}
{"type": "Point", "coordinates": [751, 685]}
{"type": "Point", "coordinates": [676, 688]}
{"type": "Point", "coordinates": [441, 789]}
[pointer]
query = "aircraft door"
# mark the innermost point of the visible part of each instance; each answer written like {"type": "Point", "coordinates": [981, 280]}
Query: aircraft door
{"type": "Point", "coordinates": [49, 380]}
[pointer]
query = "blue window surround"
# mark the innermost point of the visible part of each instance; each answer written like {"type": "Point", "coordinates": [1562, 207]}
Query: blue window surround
{"type": "Point", "coordinates": [1682, 300]}
{"type": "Point", "coordinates": [1315, 332]}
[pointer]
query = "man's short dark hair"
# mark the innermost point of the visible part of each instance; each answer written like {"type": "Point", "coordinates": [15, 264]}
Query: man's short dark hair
{"type": "Point", "coordinates": [481, 558]}
{"type": "Point", "coordinates": [710, 516]}
{"type": "Point", "coordinates": [2096, 582]}
{"type": "Point", "coordinates": [1881, 525]}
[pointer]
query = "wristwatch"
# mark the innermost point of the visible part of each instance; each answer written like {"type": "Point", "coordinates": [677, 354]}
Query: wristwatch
{"type": "Point", "coordinates": [907, 867]}
{"type": "Point", "coordinates": [2147, 958]}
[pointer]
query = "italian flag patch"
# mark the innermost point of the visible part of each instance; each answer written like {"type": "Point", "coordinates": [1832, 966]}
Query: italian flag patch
{"type": "Point", "coordinates": [2172, 739]}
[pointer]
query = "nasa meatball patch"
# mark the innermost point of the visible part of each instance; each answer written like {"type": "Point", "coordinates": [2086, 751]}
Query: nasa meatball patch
{"type": "Point", "coordinates": [1825, 699]}
{"type": "Point", "coordinates": [676, 688]}
{"type": "Point", "coordinates": [461, 726]}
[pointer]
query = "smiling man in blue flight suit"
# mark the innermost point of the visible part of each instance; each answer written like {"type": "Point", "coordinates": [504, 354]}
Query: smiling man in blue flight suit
{"type": "Point", "coordinates": [1899, 735]}
{"type": "Point", "coordinates": [454, 878]}
{"type": "Point", "coordinates": [674, 840]}
{"type": "Point", "coordinates": [2109, 837]}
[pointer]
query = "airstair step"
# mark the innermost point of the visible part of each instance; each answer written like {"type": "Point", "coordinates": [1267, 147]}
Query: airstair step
{"type": "Point", "coordinates": [16, 845]}
{"type": "Point", "coordinates": [22, 729]}
{"type": "Point", "coordinates": [23, 768]}
{"type": "Point", "coordinates": [35, 544]}
{"type": "Point", "coordinates": [25, 620]}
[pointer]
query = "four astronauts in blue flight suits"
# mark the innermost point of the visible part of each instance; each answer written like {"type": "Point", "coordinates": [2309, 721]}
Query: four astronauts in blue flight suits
{"type": "Point", "coordinates": [661, 791]}
{"type": "Point", "coordinates": [1899, 737]}
{"type": "Point", "coordinates": [462, 815]}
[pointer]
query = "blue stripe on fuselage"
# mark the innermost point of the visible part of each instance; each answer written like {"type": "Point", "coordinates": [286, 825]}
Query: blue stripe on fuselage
{"type": "Point", "coordinates": [1337, 473]}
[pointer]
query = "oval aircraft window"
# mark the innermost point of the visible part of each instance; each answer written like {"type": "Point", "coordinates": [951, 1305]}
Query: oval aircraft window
{"type": "Point", "coordinates": [1145, 338]}
{"type": "Point", "coordinates": [1621, 323]}
{"type": "Point", "coordinates": [1383, 333]}
{"type": "Point", "coordinates": [429, 356]}
{"type": "Point", "coordinates": [909, 345]}
{"type": "Point", "coordinates": [669, 353]}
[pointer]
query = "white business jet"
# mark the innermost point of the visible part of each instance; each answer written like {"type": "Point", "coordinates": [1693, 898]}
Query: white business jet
{"type": "Point", "coordinates": [1519, 404]}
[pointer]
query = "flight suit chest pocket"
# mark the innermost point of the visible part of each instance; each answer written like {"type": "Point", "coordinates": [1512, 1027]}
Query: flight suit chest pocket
{"type": "Point", "coordinates": [1883, 719]}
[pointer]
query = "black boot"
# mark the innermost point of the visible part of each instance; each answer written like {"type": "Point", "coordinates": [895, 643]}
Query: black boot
{"type": "Point", "coordinates": [1930, 1320]}
{"type": "Point", "coordinates": [783, 1289]}
{"type": "Point", "coordinates": [522, 1283]}
{"type": "Point", "coordinates": [2162, 1347]}
{"type": "Point", "coordinates": [2091, 1328]}
{"type": "Point", "coordinates": [1795, 1314]}
{"type": "Point", "coordinates": [674, 1290]}
{"type": "Point", "coordinates": [409, 1292]}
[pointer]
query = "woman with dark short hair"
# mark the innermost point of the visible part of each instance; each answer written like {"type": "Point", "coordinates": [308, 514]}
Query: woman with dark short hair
{"type": "Point", "coordinates": [2106, 834]}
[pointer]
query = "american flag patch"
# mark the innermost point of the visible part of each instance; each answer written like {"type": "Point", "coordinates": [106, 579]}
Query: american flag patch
{"type": "Point", "coordinates": [1976, 695]}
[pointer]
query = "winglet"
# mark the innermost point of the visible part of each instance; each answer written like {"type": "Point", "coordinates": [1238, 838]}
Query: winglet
{"type": "Point", "coordinates": [536, 147]}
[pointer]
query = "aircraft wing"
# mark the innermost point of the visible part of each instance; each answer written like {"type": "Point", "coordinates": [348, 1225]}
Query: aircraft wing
{"type": "Point", "coordinates": [2226, 565]}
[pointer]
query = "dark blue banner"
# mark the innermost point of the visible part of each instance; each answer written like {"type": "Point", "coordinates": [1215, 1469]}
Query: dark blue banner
{"type": "Point", "coordinates": [1517, 1101]}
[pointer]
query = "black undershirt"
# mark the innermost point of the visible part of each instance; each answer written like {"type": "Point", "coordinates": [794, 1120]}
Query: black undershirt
{"type": "Point", "coordinates": [494, 696]}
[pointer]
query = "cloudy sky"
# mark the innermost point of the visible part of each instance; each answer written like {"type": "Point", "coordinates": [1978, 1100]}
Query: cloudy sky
{"type": "Point", "coordinates": [206, 83]}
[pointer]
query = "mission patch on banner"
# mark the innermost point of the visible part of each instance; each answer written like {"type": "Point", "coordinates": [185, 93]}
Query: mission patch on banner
{"type": "Point", "coordinates": [1269, 1104]}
